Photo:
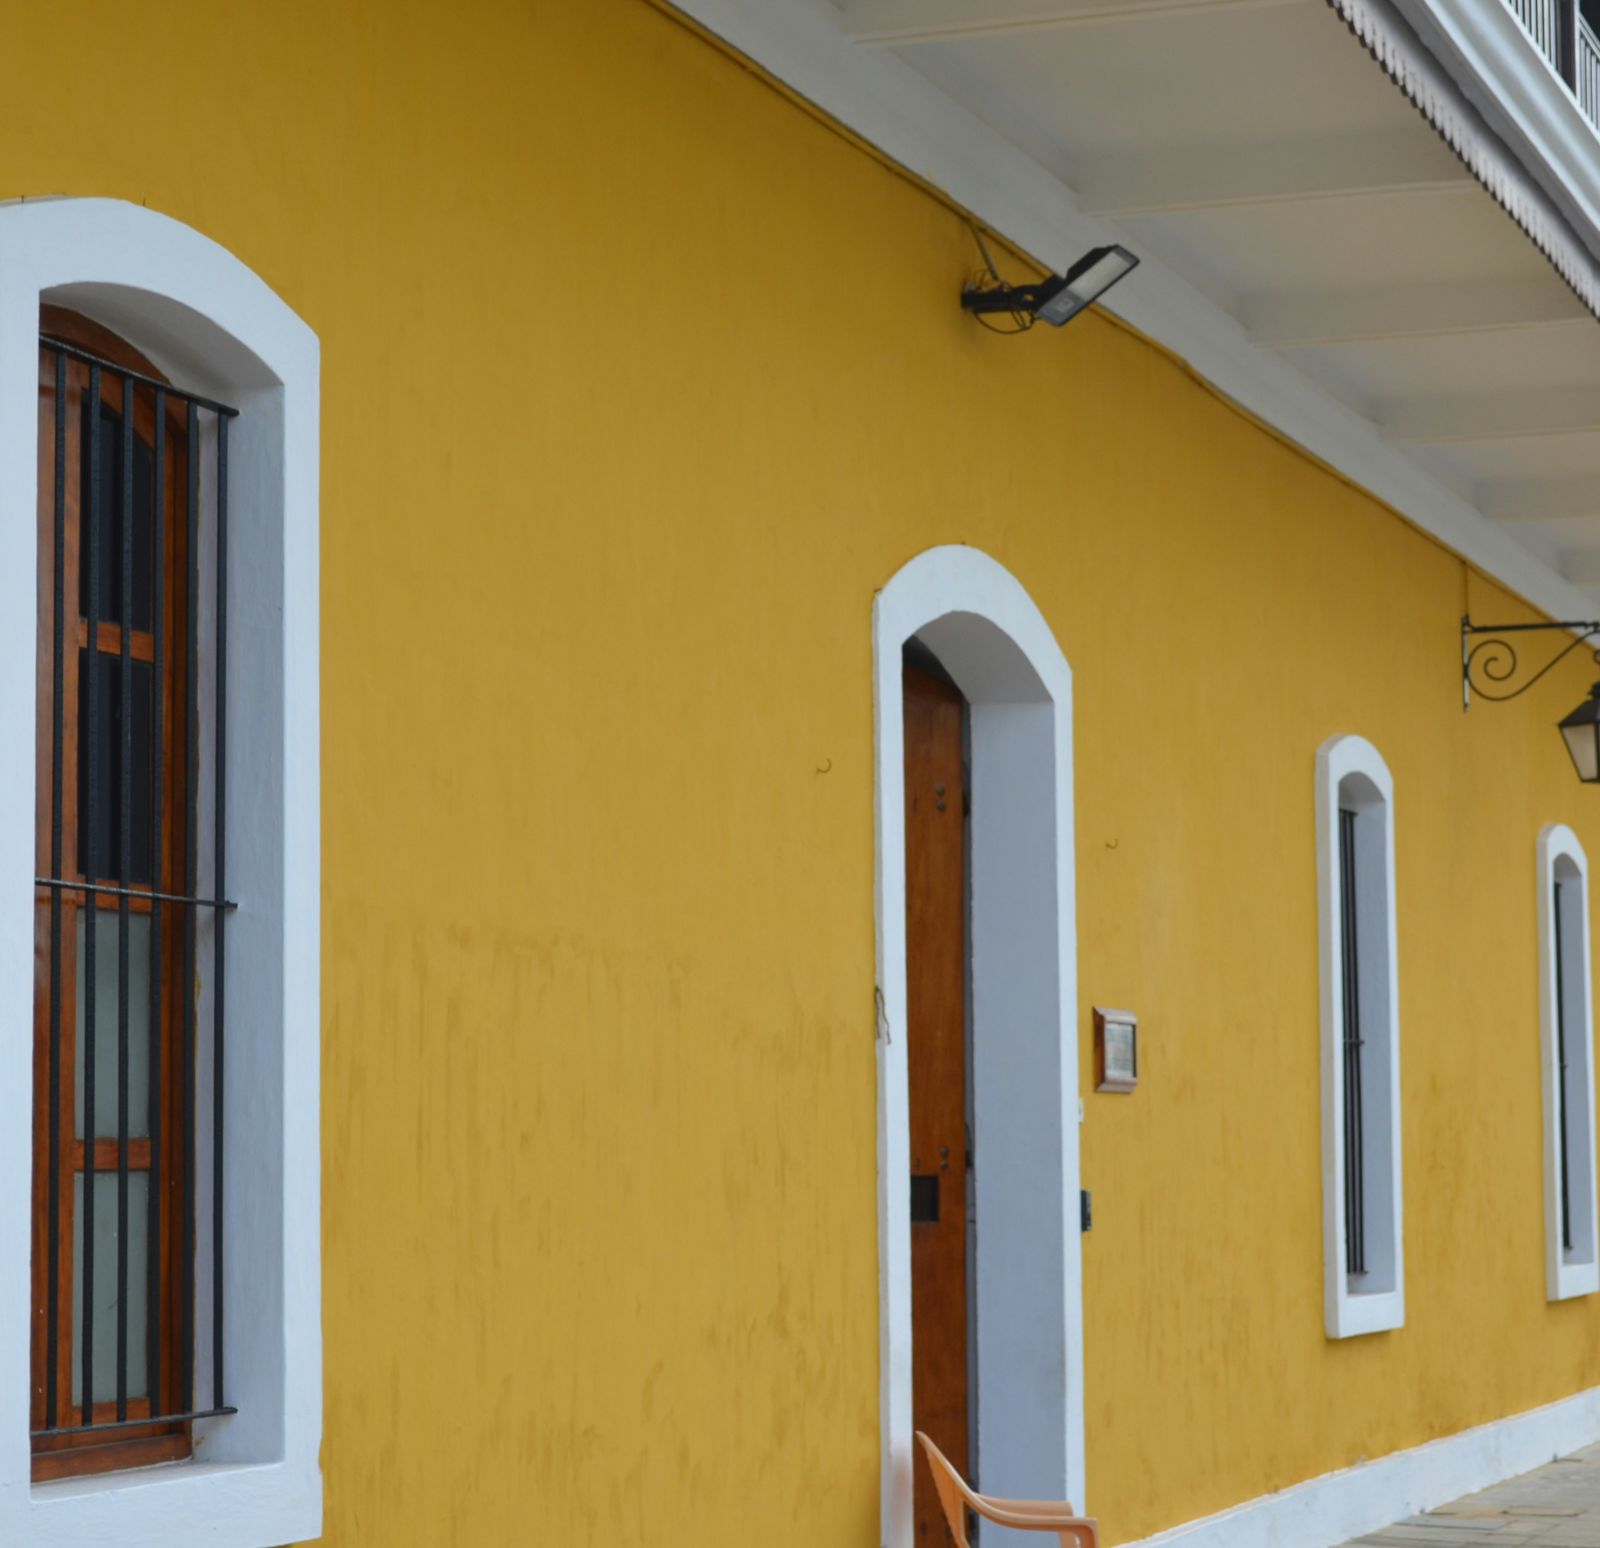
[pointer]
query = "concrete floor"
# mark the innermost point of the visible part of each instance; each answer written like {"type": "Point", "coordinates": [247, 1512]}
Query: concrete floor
{"type": "Point", "coordinates": [1558, 1505]}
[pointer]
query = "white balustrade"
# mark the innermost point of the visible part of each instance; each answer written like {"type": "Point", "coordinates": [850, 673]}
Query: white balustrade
{"type": "Point", "coordinates": [1588, 72]}
{"type": "Point", "coordinates": [1542, 20]}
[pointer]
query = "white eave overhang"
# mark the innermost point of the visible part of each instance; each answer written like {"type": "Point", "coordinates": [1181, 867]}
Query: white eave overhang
{"type": "Point", "coordinates": [1509, 115]}
{"type": "Point", "coordinates": [1324, 240]}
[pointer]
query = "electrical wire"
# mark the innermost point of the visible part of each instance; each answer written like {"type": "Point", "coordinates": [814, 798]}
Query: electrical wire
{"type": "Point", "coordinates": [988, 278]}
{"type": "Point", "coordinates": [1022, 322]}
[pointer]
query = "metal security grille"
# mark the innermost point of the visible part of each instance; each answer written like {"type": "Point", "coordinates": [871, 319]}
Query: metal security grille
{"type": "Point", "coordinates": [126, 688]}
{"type": "Point", "coordinates": [1354, 1168]}
{"type": "Point", "coordinates": [1561, 1064]}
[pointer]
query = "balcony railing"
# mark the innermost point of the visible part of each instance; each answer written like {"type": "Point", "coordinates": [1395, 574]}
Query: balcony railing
{"type": "Point", "coordinates": [1542, 18]}
{"type": "Point", "coordinates": [1560, 32]}
{"type": "Point", "coordinates": [1588, 72]}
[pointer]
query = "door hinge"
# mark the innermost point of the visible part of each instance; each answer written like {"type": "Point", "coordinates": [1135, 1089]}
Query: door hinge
{"type": "Point", "coordinates": [1085, 1210]}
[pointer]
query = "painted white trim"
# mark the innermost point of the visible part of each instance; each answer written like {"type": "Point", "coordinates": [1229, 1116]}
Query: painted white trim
{"type": "Point", "coordinates": [1001, 653]}
{"type": "Point", "coordinates": [255, 1482]}
{"type": "Point", "coordinates": [1357, 1500]}
{"type": "Point", "coordinates": [1576, 1271]}
{"type": "Point", "coordinates": [885, 101]}
{"type": "Point", "coordinates": [1351, 773]}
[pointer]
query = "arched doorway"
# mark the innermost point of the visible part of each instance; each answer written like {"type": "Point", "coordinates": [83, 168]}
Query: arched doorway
{"type": "Point", "coordinates": [1025, 1397]}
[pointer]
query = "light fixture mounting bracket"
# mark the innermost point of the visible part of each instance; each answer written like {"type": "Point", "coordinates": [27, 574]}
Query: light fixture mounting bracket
{"type": "Point", "coordinates": [1493, 660]}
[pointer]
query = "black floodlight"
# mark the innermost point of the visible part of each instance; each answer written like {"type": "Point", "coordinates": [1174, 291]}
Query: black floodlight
{"type": "Point", "coordinates": [1060, 298]}
{"type": "Point", "coordinates": [1581, 732]}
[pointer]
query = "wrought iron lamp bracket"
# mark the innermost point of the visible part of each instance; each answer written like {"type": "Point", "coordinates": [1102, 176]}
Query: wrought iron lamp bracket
{"type": "Point", "coordinates": [1494, 661]}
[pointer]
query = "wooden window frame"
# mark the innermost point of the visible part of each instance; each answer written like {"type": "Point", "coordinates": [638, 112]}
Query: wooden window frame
{"type": "Point", "coordinates": [90, 1451]}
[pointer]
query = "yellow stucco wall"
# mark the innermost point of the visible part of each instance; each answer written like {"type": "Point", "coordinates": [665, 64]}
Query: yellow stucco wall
{"type": "Point", "coordinates": [638, 381]}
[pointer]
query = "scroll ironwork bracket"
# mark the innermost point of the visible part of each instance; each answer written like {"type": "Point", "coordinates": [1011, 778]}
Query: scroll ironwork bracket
{"type": "Point", "coordinates": [1493, 661]}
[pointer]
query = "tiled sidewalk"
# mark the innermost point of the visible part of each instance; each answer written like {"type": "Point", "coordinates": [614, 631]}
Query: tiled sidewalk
{"type": "Point", "coordinates": [1558, 1505]}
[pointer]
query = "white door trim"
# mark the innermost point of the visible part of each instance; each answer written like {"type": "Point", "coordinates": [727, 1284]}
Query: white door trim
{"type": "Point", "coordinates": [997, 646]}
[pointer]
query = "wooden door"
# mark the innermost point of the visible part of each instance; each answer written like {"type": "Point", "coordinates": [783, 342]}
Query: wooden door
{"type": "Point", "coordinates": [936, 956]}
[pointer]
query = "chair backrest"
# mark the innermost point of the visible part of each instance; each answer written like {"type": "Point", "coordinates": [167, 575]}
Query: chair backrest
{"type": "Point", "coordinates": [954, 1495]}
{"type": "Point", "coordinates": [1057, 1516]}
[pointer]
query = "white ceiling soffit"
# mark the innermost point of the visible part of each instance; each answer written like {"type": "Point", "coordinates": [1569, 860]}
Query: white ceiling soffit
{"type": "Point", "coordinates": [1499, 91]}
{"type": "Point", "coordinates": [1311, 243]}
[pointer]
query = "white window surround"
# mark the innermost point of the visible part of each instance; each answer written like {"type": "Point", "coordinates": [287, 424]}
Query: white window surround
{"type": "Point", "coordinates": [1570, 1271]}
{"type": "Point", "coordinates": [996, 645]}
{"type": "Point", "coordinates": [1351, 773]}
{"type": "Point", "coordinates": [255, 1480]}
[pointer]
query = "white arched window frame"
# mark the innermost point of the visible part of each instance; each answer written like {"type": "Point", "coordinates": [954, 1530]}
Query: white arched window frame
{"type": "Point", "coordinates": [1566, 1042]}
{"type": "Point", "coordinates": [254, 1481]}
{"type": "Point", "coordinates": [1356, 885]}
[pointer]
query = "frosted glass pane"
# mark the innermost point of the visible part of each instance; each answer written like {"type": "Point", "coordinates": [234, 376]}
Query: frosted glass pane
{"type": "Point", "coordinates": [107, 955]}
{"type": "Point", "coordinates": [105, 1286]}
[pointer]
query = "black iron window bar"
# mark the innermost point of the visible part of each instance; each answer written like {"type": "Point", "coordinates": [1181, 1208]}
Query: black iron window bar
{"type": "Point", "coordinates": [1355, 1210]}
{"type": "Point", "coordinates": [165, 1406]}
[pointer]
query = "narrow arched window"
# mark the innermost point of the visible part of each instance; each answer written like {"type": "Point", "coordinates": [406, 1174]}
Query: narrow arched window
{"type": "Point", "coordinates": [118, 917]}
{"type": "Point", "coordinates": [1364, 1281]}
{"type": "Point", "coordinates": [186, 1314]}
{"type": "Point", "coordinates": [1572, 1266]}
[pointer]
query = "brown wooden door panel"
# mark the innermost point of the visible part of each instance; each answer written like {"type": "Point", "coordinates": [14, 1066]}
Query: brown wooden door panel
{"type": "Point", "coordinates": [937, 1068]}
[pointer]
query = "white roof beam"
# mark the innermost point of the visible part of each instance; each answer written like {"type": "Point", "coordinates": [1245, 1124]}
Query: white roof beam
{"type": "Point", "coordinates": [1219, 176]}
{"type": "Point", "coordinates": [1493, 416]}
{"type": "Point", "coordinates": [1515, 500]}
{"type": "Point", "coordinates": [1293, 320]}
{"type": "Point", "coordinates": [932, 21]}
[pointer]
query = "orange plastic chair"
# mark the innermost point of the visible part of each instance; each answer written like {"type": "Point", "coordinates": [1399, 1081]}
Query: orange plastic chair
{"type": "Point", "coordinates": [1026, 1515]}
